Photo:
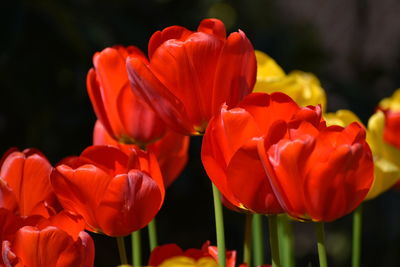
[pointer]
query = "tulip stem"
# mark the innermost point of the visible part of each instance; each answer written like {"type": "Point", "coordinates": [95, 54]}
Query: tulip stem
{"type": "Point", "coordinates": [273, 240]}
{"type": "Point", "coordinates": [121, 250]}
{"type": "Point", "coordinates": [357, 229]}
{"type": "Point", "coordinates": [286, 241]}
{"type": "Point", "coordinates": [247, 240]}
{"type": "Point", "coordinates": [152, 228]}
{"type": "Point", "coordinates": [258, 240]}
{"type": "Point", "coordinates": [319, 227]}
{"type": "Point", "coordinates": [219, 222]}
{"type": "Point", "coordinates": [136, 248]}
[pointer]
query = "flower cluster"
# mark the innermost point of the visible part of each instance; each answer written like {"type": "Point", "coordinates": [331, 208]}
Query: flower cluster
{"type": "Point", "coordinates": [274, 151]}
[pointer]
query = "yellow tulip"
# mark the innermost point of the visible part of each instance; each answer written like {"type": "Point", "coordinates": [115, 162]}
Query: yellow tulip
{"type": "Point", "coordinates": [182, 261]}
{"type": "Point", "coordinates": [303, 87]}
{"type": "Point", "coordinates": [392, 103]}
{"type": "Point", "coordinates": [342, 117]}
{"type": "Point", "coordinates": [386, 157]}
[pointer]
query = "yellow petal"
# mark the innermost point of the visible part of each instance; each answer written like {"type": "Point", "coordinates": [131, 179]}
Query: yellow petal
{"type": "Point", "coordinates": [267, 68]}
{"type": "Point", "coordinates": [375, 139]}
{"type": "Point", "coordinates": [302, 87]}
{"type": "Point", "coordinates": [386, 174]}
{"type": "Point", "coordinates": [392, 103]}
{"type": "Point", "coordinates": [182, 261]}
{"type": "Point", "coordinates": [342, 117]}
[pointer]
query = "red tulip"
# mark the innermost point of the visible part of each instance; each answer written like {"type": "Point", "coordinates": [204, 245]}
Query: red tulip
{"type": "Point", "coordinates": [190, 74]}
{"type": "Point", "coordinates": [115, 191]}
{"type": "Point", "coordinates": [25, 183]}
{"type": "Point", "coordinates": [171, 151]}
{"type": "Point", "coordinates": [392, 128]}
{"type": "Point", "coordinates": [168, 251]}
{"type": "Point", "coordinates": [58, 242]}
{"type": "Point", "coordinates": [126, 118]}
{"type": "Point", "coordinates": [269, 150]}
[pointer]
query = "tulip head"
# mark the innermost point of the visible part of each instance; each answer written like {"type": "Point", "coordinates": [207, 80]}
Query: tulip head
{"type": "Point", "coordinates": [268, 155]}
{"type": "Point", "coordinates": [25, 183]}
{"type": "Point", "coordinates": [126, 118]}
{"type": "Point", "coordinates": [116, 191]}
{"type": "Point", "coordinates": [190, 74]}
{"type": "Point", "coordinates": [171, 151]}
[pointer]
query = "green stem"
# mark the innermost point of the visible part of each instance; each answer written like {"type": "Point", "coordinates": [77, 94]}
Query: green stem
{"type": "Point", "coordinates": [258, 240]}
{"type": "Point", "coordinates": [219, 222]}
{"type": "Point", "coordinates": [136, 248]}
{"type": "Point", "coordinates": [247, 240]}
{"type": "Point", "coordinates": [323, 262]}
{"type": "Point", "coordinates": [152, 228]}
{"type": "Point", "coordinates": [273, 240]}
{"type": "Point", "coordinates": [121, 250]}
{"type": "Point", "coordinates": [357, 229]}
{"type": "Point", "coordinates": [286, 240]}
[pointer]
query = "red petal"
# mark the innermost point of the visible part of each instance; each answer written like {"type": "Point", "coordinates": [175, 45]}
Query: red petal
{"type": "Point", "coordinates": [172, 155]}
{"type": "Point", "coordinates": [343, 177]}
{"type": "Point", "coordinates": [53, 247]}
{"type": "Point", "coordinates": [101, 136]}
{"type": "Point", "coordinates": [81, 190]}
{"type": "Point", "coordinates": [214, 27]}
{"type": "Point", "coordinates": [109, 158]}
{"type": "Point", "coordinates": [159, 37]}
{"type": "Point", "coordinates": [288, 158]}
{"type": "Point", "coordinates": [94, 91]}
{"type": "Point", "coordinates": [392, 128]}
{"type": "Point", "coordinates": [225, 134]}
{"type": "Point", "coordinates": [190, 73]}
{"type": "Point", "coordinates": [24, 173]}
{"type": "Point", "coordinates": [129, 203]}
{"type": "Point", "coordinates": [156, 95]}
{"type": "Point", "coordinates": [163, 252]}
{"type": "Point", "coordinates": [236, 72]}
{"type": "Point", "coordinates": [140, 123]}
{"type": "Point", "coordinates": [249, 182]}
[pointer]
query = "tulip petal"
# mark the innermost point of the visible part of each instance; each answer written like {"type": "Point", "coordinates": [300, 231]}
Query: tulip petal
{"type": "Point", "coordinates": [190, 73]}
{"type": "Point", "coordinates": [348, 183]}
{"type": "Point", "coordinates": [101, 136]}
{"type": "Point", "coordinates": [156, 95]}
{"type": "Point", "coordinates": [159, 37]}
{"type": "Point", "coordinates": [236, 71]}
{"type": "Point", "coordinates": [280, 105]}
{"type": "Point", "coordinates": [214, 27]}
{"type": "Point", "coordinates": [129, 203]}
{"type": "Point", "coordinates": [109, 158]}
{"type": "Point", "coordinates": [94, 92]}
{"type": "Point", "coordinates": [163, 252]}
{"type": "Point", "coordinates": [53, 247]}
{"type": "Point", "coordinates": [140, 123]}
{"type": "Point", "coordinates": [172, 155]}
{"type": "Point", "coordinates": [81, 190]}
{"type": "Point", "coordinates": [23, 174]}
{"type": "Point", "coordinates": [226, 133]}
{"type": "Point", "coordinates": [249, 182]}
{"type": "Point", "coordinates": [286, 161]}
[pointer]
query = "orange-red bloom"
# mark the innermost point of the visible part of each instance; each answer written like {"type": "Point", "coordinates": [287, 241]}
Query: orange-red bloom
{"type": "Point", "coordinates": [115, 191]}
{"type": "Point", "coordinates": [190, 74]}
{"type": "Point", "coordinates": [171, 151]}
{"type": "Point", "coordinates": [125, 117]}
{"type": "Point", "coordinates": [391, 131]}
{"type": "Point", "coordinates": [25, 183]}
{"type": "Point", "coordinates": [268, 151]}
{"type": "Point", "coordinates": [166, 252]}
{"type": "Point", "coordinates": [58, 241]}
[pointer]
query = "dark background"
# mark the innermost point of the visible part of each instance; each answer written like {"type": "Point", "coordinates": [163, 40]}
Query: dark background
{"type": "Point", "coordinates": [46, 51]}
